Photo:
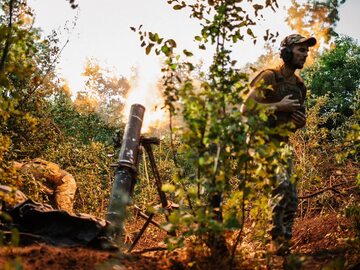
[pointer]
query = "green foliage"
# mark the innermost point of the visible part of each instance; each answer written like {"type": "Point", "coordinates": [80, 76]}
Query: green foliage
{"type": "Point", "coordinates": [90, 166]}
{"type": "Point", "coordinates": [329, 145]}
{"type": "Point", "coordinates": [38, 118]}
{"type": "Point", "coordinates": [20, 50]}
{"type": "Point", "coordinates": [353, 212]}
{"type": "Point", "coordinates": [26, 80]}
{"type": "Point", "coordinates": [18, 46]}
{"type": "Point", "coordinates": [145, 193]}
{"type": "Point", "coordinates": [86, 127]}
{"type": "Point", "coordinates": [336, 264]}
{"type": "Point", "coordinates": [14, 264]}
{"type": "Point", "coordinates": [82, 145]}
{"type": "Point", "coordinates": [318, 159]}
{"type": "Point", "coordinates": [337, 74]}
{"type": "Point", "coordinates": [232, 157]}
{"type": "Point", "coordinates": [309, 148]}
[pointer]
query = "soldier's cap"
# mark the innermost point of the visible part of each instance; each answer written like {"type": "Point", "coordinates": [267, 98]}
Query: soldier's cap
{"type": "Point", "coordinates": [297, 39]}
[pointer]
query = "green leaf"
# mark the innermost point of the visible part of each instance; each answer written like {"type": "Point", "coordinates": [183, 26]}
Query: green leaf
{"type": "Point", "coordinates": [257, 7]}
{"type": "Point", "coordinates": [201, 161]}
{"type": "Point", "coordinates": [168, 187]}
{"type": "Point", "coordinates": [190, 66]}
{"type": "Point", "coordinates": [202, 47]}
{"type": "Point", "coordinates": [174, 218]}
{"type": "Point", "coordinates": [148, 48]}
{"type": "Point", "coordinates": [171, 42]}
{"type": "Point", "coordinates": [165, 49]}
{"type": "Point", "coordinates": [156, 37]}
{"type": "Point", "coordinates": [250, 32]}
{"type": "Point", "coordinates": [178, 7]}
{"type": "Point", "coordinates": [188, 53]}
{"type": "Point", "coordinates": [192, 192]}
{"type": "Point", "coordinates": [152, 37]}
{"type": "Point", "coordinates": [243, 23]}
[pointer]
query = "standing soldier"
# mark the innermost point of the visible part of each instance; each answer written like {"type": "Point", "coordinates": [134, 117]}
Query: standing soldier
{"type": "Point", "coordinates": [284, 91]}
{"type": "Point", "coordinates": [54, 180]}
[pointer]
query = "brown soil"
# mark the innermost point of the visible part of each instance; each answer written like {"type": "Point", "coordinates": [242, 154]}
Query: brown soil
{"type": "Point", "coordinates": [319, 242]}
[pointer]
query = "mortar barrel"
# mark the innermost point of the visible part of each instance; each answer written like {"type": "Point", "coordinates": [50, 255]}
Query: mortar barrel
{"type": "Point", "coordinates": [125, 175]}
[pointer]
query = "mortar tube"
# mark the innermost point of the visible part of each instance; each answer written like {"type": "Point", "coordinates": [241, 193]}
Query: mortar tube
{"type": "Point", "coordinates": [126, 171]}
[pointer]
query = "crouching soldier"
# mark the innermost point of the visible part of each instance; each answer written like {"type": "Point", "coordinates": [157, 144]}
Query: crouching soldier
{"type": "Point", "coordinates": [53, 179]}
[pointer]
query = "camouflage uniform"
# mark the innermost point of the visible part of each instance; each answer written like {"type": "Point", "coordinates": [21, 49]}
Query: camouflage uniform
{"type": "Point", "coordinates": [56, 181]}
{"type": "Point", "coordinates": [283, 205]}
{"type": "Point", "coordinates": [284, 197]}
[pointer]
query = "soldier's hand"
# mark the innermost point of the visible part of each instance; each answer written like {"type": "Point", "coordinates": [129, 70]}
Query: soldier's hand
{"type": "Point", "coordinates": [298, 118]}
{"type": "Point", "coordinates": [287, 104]}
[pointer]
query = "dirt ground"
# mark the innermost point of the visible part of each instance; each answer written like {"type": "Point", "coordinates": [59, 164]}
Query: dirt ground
{"type": "Point", "coordinates": [322, 242]}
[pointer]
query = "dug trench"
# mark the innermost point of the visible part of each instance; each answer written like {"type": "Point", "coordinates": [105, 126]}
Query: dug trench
{"type": "Point", "coordinates": [319, 242]}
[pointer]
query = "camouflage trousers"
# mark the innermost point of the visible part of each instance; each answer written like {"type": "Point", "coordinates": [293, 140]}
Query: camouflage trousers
{"type": "Point", "coordinates": [283, 203]}
{"type": "Point", "coordinates": [65, 193]}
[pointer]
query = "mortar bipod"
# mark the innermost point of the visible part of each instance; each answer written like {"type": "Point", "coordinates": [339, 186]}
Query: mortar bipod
{"type": "Point", "coordinates": [147, 143]}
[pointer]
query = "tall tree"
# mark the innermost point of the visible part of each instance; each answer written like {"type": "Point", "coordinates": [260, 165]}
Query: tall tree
{"type": "Point", "coordinates": [336, 73]}
{"type": "Point", "coordinates": [315, 17]}
{"type": "Point", "coordinates": [26, 76]}
{"type": "Point", "coordinates": [104, 92]}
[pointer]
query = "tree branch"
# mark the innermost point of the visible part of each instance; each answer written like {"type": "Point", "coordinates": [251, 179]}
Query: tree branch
{"type": "Point", "coordinates": [332, 188]}
{"type": "Point", "coordinates": [8, 38]}
{"type": "Point", "coordinates": [44, 77]}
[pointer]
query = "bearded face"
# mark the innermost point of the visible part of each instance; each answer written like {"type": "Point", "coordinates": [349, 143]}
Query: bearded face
{"type": "Point", "coordinates": [300, 53]}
